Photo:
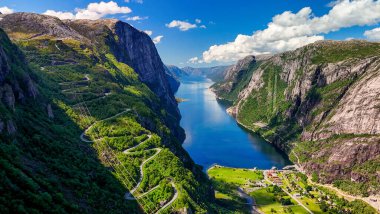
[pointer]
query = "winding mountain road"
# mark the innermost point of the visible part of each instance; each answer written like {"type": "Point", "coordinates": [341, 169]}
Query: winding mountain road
{"type": "Point", "coordinates": [129, 195]}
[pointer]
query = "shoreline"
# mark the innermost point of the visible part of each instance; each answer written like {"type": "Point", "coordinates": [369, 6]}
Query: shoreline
{"type": "Point", "coordinates": [337, 191]}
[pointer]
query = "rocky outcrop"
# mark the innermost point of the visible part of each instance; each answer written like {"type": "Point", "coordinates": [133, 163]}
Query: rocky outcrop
{"type": "Point", "coordinates": [325, 93]}
{"type": "Point", "coordinates": [233, 75]}
{"type": "Point", "coordinates": [233, 72]}
{"type": "Point", "coordinates": [144, 58]}
{"type": "Point", "coordinates": [4, 66]}
{"type": "Point", "coordinates": [128, 44]}
{"type": "Point", "coordinates": [35, 25]}
{"type": "Point", "coordinates": [172, 79]}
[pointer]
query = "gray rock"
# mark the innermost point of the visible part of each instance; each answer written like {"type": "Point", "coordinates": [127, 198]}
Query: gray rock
{"type": "Point", "coordinates": [11, 128]}
{"type": "Point", "coordinates": [50, 111]}
{"type": "Point", "coordinates": [1, 126]}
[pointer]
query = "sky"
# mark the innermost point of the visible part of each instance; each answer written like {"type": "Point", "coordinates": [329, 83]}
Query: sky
{"type": "Point", "coordinates": [203, 33]}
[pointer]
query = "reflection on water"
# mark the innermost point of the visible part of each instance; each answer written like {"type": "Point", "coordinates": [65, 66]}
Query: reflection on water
{"type": "Point", "coordinates": [212, 136]}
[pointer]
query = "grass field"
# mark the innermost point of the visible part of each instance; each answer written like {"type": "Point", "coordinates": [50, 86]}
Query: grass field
{"type": "Point", "coordinates": [267, 203]}
{"type": "Point", "coordinates": [234, 176]}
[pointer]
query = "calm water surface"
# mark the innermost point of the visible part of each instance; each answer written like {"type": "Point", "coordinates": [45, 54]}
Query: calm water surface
{"type": "Point", "coordinates": [213, 137]}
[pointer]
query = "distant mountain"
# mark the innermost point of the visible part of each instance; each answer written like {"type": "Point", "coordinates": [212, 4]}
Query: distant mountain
{"type": "Point", "coordinates": [173, 75]}
{"type": "Point", "coordinates": [176, 71]}
{"type": "Point", "coordinates": [216, 73]}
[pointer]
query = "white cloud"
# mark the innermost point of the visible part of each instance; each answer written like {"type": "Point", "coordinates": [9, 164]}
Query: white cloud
{"type": "Point", "coordinates": [157, 39]}
{"type": "Point", "coordinates": [181, 25]}
{"type": "Point", "coordinates": [137, 1]}
{"type": "Point", "coordinates": [289, 30]}
{"type": "Point", "coordinates": [93, 11]}
{"type": "Point", "coordinates": [137, 18]}
{"type": "Point", "coordinates": [6, 10]}
{"type": "Point", "coordinates": [203, 26]}
{"type": "Point", "coordinates": [198, 21]}
{"type": "Point", "coordinates": [373, 34]}
{"type": "Point", "coordinates": [149, 32]}
{"type": "Point", "coordinates": [59, 14]}
{"type": "Point", "coordinates": [195, 60]}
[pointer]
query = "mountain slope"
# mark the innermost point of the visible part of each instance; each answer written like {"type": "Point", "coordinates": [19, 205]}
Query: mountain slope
{"type": "Point", "coordinates": [320, 104]}
{"type": "Point", "coordinates": [100, 113]}
{"type": "Point", "coordinates": [216, 73]}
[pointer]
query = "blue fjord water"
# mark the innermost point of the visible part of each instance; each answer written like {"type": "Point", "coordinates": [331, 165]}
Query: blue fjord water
{"type": "Point", "coordinates": [214, 137]}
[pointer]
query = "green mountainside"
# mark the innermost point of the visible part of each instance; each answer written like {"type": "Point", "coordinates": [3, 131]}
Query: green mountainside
{"type": "Point", "coordinates": [320, 104]}
{"type": "Point", "coordinates": [80, 118]}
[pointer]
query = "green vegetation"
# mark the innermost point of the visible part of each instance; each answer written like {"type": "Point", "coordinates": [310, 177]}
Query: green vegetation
{"type": "Point", "coordinates": [338, 51]}
{"type": "Point", "coordinates": [234, 176]}
{"type": "Point", "coordinates": [226, 181]}
{"type": "Point", "coordinates": [243, 81]}
{"type": "Point", "coordinates": [47, 168]}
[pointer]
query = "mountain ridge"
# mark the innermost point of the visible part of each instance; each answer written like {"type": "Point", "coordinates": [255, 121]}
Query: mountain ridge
{"type": "Point", "coordinates": [310, 102]}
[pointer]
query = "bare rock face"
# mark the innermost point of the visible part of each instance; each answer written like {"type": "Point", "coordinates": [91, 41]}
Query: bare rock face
{"type": "Point", "coordinates": [34, 25]}
{"type": "Point", "coordinates": [358, 112]}
{"type": "Point", "coordinates": [129, 45]}
{"type": "Point", "coordinates": [11, 128]}
{"type": "Point", "coordinates": [144, 58]}
{"type": "Point", "coordinates": [8, 97]}
{"type": "Point", "coordinates": [4, 66]}
{"type": "Point", "coordinates": [334, 99]}
{"type": "Point", "coordinates": [134, 48]}
{"type": "Point", "coordinates": [1, 126]}
{"type": "Point", "coordinates": [50, 111]}
{"type": "Point", "coordinates": [242, 64]}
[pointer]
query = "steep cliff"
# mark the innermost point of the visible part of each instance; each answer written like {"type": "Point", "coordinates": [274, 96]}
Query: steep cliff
{"type": "Point", "coordinates": [172, 77]}
{"type": "Point", "coordinates": [93, 120]}
{"type": "Point", "coordinates": [320, 104]}
{"type": "Point", "coordinates": [235, 79]}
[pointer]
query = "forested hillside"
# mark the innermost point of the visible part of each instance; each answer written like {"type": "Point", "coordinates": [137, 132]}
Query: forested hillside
{"type": "Point", "coordinates": [88, 122]}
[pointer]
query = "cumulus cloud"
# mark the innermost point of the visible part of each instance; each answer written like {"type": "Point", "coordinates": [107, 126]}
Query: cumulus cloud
{"type": "Point", "coordinates": [290, 30]}
{"type": "Point", "coordinates": [198, 21]}
{"type": "Point", "coordinates": [373, 34]}
{"type": "Point", "coordinates": [157, 39]}
{"type": "Point", "coordinates": [6, 10]}
{"type": "Point", "coordinates": [181, 25]}
{"type": "Point", "coordinates": [93, 11]}
{"type": "Point", "coordinates": [137, 18]}
{"type": "Point", "coordinates": [149, 32]}
{"type": "Point", "coordinates": [194, 60]}
{"type": "Point", "coordinates": [59, 14]}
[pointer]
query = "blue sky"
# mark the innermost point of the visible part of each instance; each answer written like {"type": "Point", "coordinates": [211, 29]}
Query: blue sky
{"type": "Point", "coordinates": [224, 20]}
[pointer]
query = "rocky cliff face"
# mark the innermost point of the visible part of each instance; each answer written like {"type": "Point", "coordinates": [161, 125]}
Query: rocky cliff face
{"type": "Point", "coordinates": [321, 104]}
{"type": "Point", "coordinates": [127, 44]}
{"type": "Point", "coordinates": [172, 78]}
{"type": "Point", "coordinates": [16, 85]}
{"type": "Point", "coordinates": [88, 74]}
{"type": "Point", "coordinates": [234, 76]}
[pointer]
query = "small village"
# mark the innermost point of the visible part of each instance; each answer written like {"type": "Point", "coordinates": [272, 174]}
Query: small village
{"type": "Point", "coordinates": [286, 191]}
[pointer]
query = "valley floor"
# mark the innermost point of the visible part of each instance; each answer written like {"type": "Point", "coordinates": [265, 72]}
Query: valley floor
{"type": "Point", "coordinates": [277, 191]}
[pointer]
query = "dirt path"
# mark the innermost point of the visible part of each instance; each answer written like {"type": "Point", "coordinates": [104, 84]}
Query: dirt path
{"type": "Point", "coordinates": [250, 201]}
{"type": "Point", "coordinates": [294, 198]}
{"type": "Point", "coordinates": [373, 200]}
